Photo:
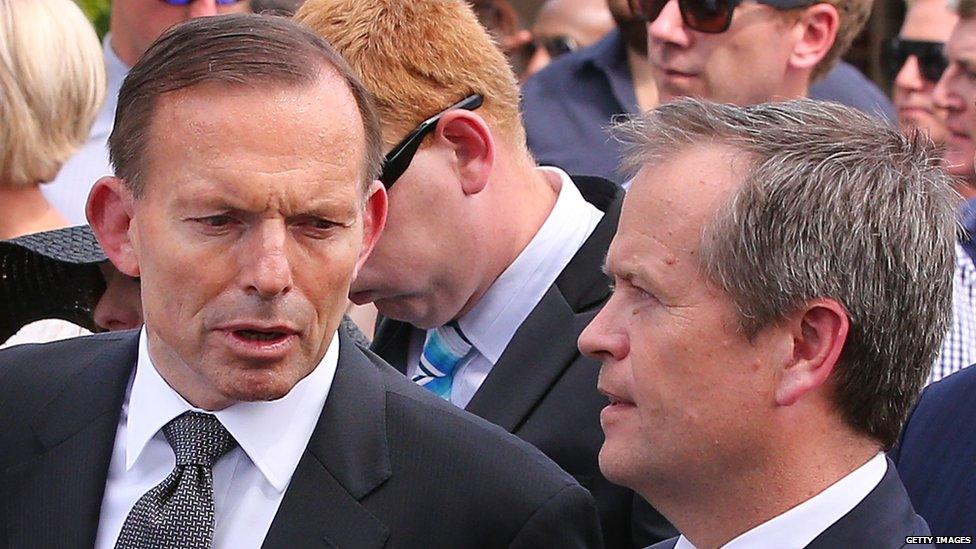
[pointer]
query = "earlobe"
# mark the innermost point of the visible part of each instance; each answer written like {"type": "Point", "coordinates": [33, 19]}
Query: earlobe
{"type": "Point", "coordinates": [473, 146]}
{"type": "Point", "coordinates": [109, 211]}
{"type": "Point", "coordinates": [817, 30]}
{"type": "Point", "coordinates": [819, 332]}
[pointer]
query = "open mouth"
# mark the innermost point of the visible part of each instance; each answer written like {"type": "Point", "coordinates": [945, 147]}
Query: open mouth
{"type": "Point", "coordinates": [256, 335]}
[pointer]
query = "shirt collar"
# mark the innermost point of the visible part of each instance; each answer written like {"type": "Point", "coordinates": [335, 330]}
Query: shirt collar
{"type": "Point", "coordinates": [492, 322]}
{"type": "Point", "coordinates": [609, 56]}
{"type": "Point", "coordinates": [802, 524]}
{"type": "Point", "coordinates": [273, 434]}
{"type": "Point", "coordinates": [115, 72]}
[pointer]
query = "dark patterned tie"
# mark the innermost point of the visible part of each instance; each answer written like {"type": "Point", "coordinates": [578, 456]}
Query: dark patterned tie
{"type": "Point", "coordinates": [178, 512]}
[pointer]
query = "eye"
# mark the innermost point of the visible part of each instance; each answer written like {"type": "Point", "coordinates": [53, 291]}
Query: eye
{"type": "Point", "coordinates": [316, 227]}
{"type": "Point", "coordinates": [216, 221]}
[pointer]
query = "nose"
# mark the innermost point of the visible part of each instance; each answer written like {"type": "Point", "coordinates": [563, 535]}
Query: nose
{"type": "Point", "coordinates": [120, 307]}
{"type": "Point", "coordinates": [603, 339]}
{"type": "Point", "coordinates": [944, 94]}
{"type": "Point", "coordinates": [267, 269]}
{"type": "Point", "coordinates": [668, 28]}
{"type": "Point", "coordinates": [909, 77]}
{"type": "Point", "coordinates": [202, 8]}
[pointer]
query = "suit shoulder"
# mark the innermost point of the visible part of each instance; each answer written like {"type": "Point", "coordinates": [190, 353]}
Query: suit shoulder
{"type": "Point", "coordinates": [29, 373]}
{"type": "Point", "coordinates": [421, 420]}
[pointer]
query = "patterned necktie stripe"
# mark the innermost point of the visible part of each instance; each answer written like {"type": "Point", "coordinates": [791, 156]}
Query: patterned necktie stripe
{"type": "Point", "coordinates": [178, 513]}
{"type": "Point", "coordinates": [444, 349]}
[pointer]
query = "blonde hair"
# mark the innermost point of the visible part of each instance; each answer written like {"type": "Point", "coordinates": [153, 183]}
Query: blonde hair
{"type": "Point", "coordinates": [418, 57]}
{"type": "Point", "coordinates": [853, 16]}
{"type": "Point", "coordinates": [52, 83]}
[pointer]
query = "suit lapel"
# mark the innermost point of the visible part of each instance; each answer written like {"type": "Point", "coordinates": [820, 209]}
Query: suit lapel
{"type": "Point", "coordinates": [54, 499]}
{"type": "Point", "coordinates": [529, 363]}
{"type": "Point", "coordinates": [346, 459]}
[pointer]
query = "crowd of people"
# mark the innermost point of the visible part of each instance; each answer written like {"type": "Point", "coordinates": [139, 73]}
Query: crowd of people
{"type": "Point", "coordinates": [409, 273]}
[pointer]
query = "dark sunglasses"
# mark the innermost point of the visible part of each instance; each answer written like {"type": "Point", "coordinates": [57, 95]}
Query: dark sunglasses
{"type": "Point", "coordinates": [187, 2]}
{"type": "Point", "coordinates": [711, 16]}
{"type": "Point", "coordinates": [398, 160]}
{"type": "Point", "coordinates": [931, 58]}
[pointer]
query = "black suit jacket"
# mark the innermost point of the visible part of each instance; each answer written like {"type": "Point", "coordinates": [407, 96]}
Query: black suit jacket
{"type": "Point", "coordinates": [388, 465]}
{"type": "Point", "coordinates": [936, 455]}
{"type": "Point", "coordinates": [883, 520]}
{"type": "Point", "coordinates": [543, 389]}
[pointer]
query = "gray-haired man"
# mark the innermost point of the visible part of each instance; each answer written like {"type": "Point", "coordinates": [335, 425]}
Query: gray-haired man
{"type": "Point", "coordinates": [782, 280]}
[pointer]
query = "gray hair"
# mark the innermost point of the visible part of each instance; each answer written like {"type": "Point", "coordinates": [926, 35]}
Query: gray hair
{"type": "Point", "coordinates": [835, 205]}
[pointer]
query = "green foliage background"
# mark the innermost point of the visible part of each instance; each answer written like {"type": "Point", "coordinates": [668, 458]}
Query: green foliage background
{"type": "Point", "coordinates": [97, 11]}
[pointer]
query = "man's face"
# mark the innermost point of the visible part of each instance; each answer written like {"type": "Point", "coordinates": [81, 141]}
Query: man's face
{"type": "Point", "coordinates": [956, 92]}
{"type": "Point", "coordinates": [423, 269]}
{"type": "Point", "coordinates": [688, 390]}
{"type": "Point", "coordinates": [248, 234]}
{"type": "Point", "coordinates": [138, 23]}
{"type": "Point", "coordinates": [744, 65]}
{"type": "Point", "coordinates": [926, 21]}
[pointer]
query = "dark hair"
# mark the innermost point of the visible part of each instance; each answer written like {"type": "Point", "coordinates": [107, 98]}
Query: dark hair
{"type": "Point", "coordinates": [238, 50]}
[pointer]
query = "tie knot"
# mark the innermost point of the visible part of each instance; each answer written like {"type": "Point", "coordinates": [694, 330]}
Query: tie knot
{"type": "Point", "coordinates": [198, 439]}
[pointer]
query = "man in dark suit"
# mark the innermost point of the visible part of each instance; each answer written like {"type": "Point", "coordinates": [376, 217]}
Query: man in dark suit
{"type": "Point", "coordinates": [782, 279]}
{"type": "Point", "coordinates": [935, 455]}
{"type": "Point", "coordinates": [489, 266]}
{"type": "Point", "coordinates": [245, 200]}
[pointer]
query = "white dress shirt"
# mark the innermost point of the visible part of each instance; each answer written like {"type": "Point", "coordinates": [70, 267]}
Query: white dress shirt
{"type": "Point", "coordinates": [493, 321]}
{"type": "Point", "coordinates": [249, 481]}
{"type": "Point", "coordinates": [68, 193]}
{"type": "Point", "coordinates": [797, 527]}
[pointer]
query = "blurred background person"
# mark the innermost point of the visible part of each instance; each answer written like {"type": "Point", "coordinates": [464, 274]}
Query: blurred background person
{"type": "Point", "coordinates": [564, 26]}
{"type": "Point", "coordinates": [955, 93]}
{"type": "Point", "coordinates": [568, 105]}
{"type": "Point", "coordinates": [914, 61]}
{"type": "Point", "coordinates": [133, 26]}
{"type": "Point", "coordinates": [276, 7]}
{"type": "Point", "coordinates": [52, 84]}
{"type": "Point", "coordinates": [59, 284]}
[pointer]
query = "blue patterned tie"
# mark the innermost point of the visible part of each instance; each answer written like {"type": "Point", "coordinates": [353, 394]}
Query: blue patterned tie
{"type": "Point", "coordinates": [444, 350]}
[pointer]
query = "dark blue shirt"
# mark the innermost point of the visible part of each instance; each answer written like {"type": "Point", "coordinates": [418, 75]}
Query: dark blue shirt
{"type": "Point", "coordinates": [568, 106]}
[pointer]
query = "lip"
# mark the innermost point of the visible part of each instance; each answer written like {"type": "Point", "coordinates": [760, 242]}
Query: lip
{"type": "Point", "coordinates": [617, 405]}
{"type": "Point", "coordinates": [262, 350]}
{"type": "Point", "coordinates": [913, 110]}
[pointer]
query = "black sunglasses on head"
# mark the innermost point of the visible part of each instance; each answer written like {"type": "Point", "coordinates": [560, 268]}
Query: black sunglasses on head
{"type": "Point", "coordinates": [398, 160]}
{"type": "Point", "coordinates": [932, 61]}
{"type": "Point", "coordinates": [711, 16]}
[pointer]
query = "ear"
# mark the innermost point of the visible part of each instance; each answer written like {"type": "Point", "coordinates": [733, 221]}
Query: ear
{"type": "Point", "coordinates": [473, 146]}
{"type": "Point", "coordinates": [374, 219]}
{"type": "Point", "coordinates": [819, 332]}
{"type": "Point", "coordinates": [815, 32]}
{"type": "Point", "coordinates": [109, 211]}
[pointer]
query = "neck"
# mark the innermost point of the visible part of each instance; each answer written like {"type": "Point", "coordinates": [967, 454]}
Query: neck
{"type": "Point", "coordinates": [722, 508]}
{"type": "Point", "coordinates": [523, 200]}
{"type": "Point", "coordinates": [25, 210]}
{"type": "Point", "coordinates": [644, 87]}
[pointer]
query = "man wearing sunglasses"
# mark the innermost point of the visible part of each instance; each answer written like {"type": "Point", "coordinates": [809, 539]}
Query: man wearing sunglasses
{"type": "Point", "coordinates": [489, 266]}
{"type": "Point", "coordinates": [746, 52]}
{"type": "Point", "coordinates": [133, 26]}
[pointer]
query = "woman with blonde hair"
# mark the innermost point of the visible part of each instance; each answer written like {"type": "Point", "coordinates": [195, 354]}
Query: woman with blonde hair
{"type": "Point", "coordinates": [52, 83]}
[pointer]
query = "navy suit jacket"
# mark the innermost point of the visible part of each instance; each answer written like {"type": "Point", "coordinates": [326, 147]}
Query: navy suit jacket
{"type": "Point", "coordinates": [883, 520]}
{"type": "Point", "coordinates": [936, 456]}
